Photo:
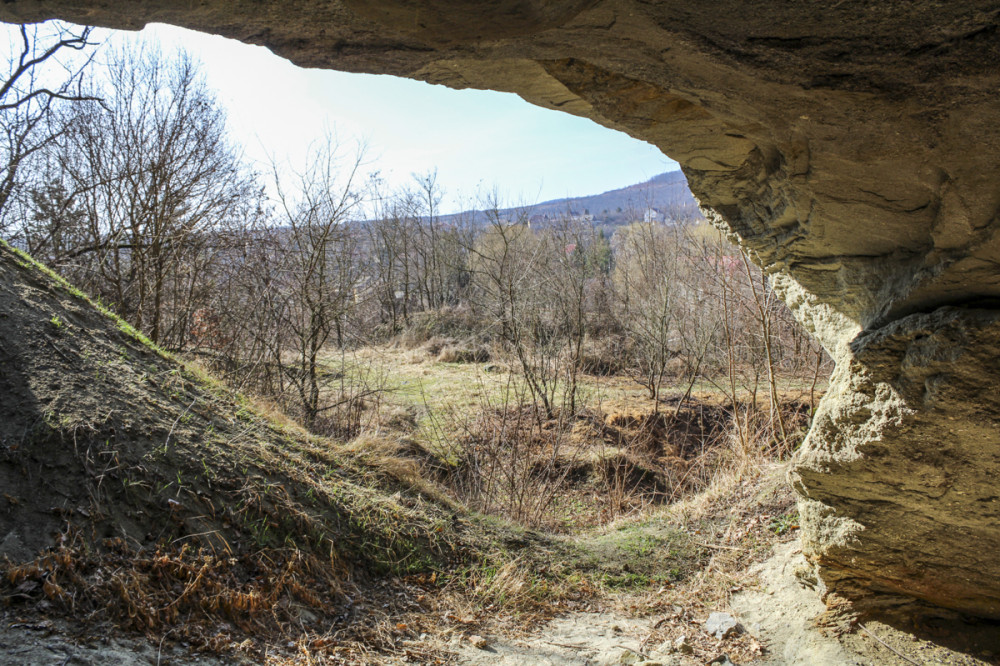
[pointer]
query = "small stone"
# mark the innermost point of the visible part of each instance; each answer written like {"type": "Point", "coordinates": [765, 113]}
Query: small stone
{"type": "Point", "coordinates": [722, 625]}
{"type": "Point", "coordinates": [14, 549]}
{"type": "Point", "coordinates": [661, 657]}
{"type": "Point", "coordinates": [478, 642]}
{"type": "Point", "coordinates": [681, 645]}
{"type": "Point", "coordinates": [721, 660]}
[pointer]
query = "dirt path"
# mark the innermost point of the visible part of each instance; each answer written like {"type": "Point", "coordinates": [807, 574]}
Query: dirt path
{"type": "Point", "coordinates": [780, 614]}
{"type": "Point", "coordinates": [591, 639]}
{"type": "Point", "coordinates": [782, 611]}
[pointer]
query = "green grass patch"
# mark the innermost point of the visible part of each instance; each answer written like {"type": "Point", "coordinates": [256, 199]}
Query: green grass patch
{"type": "Point", "coordinates": [28, 262]}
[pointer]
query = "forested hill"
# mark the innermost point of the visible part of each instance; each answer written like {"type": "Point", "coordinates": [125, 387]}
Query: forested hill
{"type": "Point", "coordinates": [665, 196]}
{"type": "Point", "coordinates": [665, 192]}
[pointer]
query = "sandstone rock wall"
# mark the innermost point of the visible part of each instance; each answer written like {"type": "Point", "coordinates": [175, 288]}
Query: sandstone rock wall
{"type": "Point", "coordinates": [898, 476]}
{"type": "Point", "coordinates": [851, 146]}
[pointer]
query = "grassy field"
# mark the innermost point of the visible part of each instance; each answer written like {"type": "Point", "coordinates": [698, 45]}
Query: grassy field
{"type": "Point", "coordinates": [420, 388]}
{"type": "Point", "coordinates": [463, 427]}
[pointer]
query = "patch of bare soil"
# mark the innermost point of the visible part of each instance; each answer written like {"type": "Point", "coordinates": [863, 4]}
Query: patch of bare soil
{"type": "Point", "coordinates": [574, 640]}
{"type": "Point", "coordinates": [47, 643]}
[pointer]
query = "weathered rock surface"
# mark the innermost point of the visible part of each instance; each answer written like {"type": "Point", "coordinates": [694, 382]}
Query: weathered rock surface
{"type": "Point", "coordinates": [900, 468]}
{"type": "Point", "coordinates": [851, 146]}
{"type": "Point", "coordinates": [722, 625]}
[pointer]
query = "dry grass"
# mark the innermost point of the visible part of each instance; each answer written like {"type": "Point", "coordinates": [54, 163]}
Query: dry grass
{"type": "Point", "coordinates": [439, 325]}
{"type": "Point", "coordinates": [605, 357]}
{"type": "Point", "coordinates": [404, 461]}
{"type": "Point", "coordinates": [453, 353]}
{"type": "Point", "coordinates": [186, 590]}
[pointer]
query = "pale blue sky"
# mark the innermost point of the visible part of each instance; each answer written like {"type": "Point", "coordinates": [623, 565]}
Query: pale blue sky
{"type": "Point", "coordinates": [473, 138]}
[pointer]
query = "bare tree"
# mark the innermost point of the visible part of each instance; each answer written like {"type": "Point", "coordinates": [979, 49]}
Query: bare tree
{"type": "Point", "coordinates": [154, 174]}
{"type": "Point", "coordinates": [38, 77]}
{"type": "Point", "coordinates": [427, 252]}
{"type": "Point", "coordinates": [391, 236]}
{"type": "Point", "coordinates": [320, 275]}
{"type": "Point", "coordinates": [645, 275]}
{"type": "Point", "coordinates": [576, 262]}
{"type": "Point", "coordinates": [504, 273]}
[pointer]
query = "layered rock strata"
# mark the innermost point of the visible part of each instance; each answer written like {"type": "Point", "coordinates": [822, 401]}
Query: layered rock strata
{"type": "Point", "coordinates": [851, 146]}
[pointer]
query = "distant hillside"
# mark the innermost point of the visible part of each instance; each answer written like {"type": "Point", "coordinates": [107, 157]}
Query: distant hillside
{"type": "Point", "coordinates": [667, 192]}
{"type": "Point", "coordinates": [665, 196]}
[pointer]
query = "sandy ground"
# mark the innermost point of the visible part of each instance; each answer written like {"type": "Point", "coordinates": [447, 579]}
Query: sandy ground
{"type": "Point", "coordinates": [47, 644]}
{"type": "Point", "coordinates": [780, 613]}
{"type": "Point", "coordinates": [596, 639]}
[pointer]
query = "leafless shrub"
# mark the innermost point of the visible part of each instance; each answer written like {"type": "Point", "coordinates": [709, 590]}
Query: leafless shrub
{"type": "Point", "coordinates": [505, 461]}
{"type": "Point", "coordinates": [626, 485]}
{"type": "Point", "coordinates": [605, 356]}
{"type": "Point", "coordinates": [442, 324]}
{"type": "Point", "coordinates": [352, 398]}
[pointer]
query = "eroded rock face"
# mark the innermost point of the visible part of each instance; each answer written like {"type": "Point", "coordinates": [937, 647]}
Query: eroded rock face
{"type": "Point", "coordinates": [899, 473]}
{"type": "Point", "coordinates": [851, 146]}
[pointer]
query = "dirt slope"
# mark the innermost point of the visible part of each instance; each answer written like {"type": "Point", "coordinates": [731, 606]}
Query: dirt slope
{"type": "Point", "coordinates": [133, 490]}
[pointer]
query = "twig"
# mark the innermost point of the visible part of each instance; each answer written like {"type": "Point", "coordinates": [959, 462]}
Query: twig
{"type": "Point", "coordinates": [360, 396]}
{"type": "Point", "coordinates": [635, 650]}
{"type": "Point", "coordinates": [567, 645]}
{"type": "Point", "coordinates": [59, 351]}
{"type": "Point", "coordinates": [716, 545]}
{"type": "Point", "coordinates": [159, 650]}
{"type": "Point", "coordinates": [176, 421]}
{"type": "Point", "coordinates": [191, 536]}
{"type": "Point", "coordinates": [888, 647]}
